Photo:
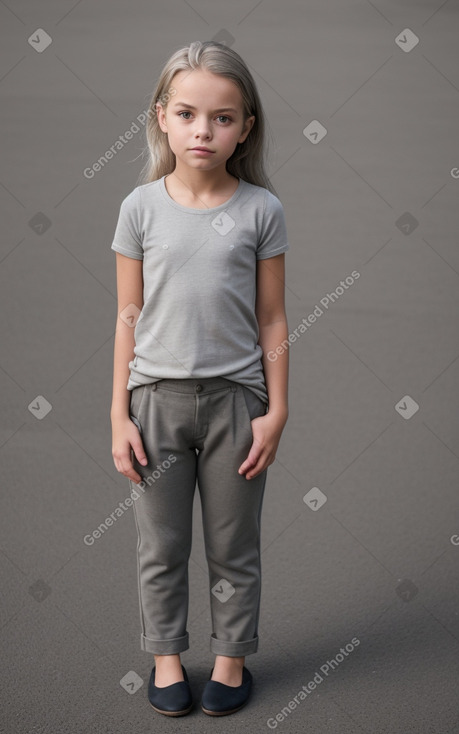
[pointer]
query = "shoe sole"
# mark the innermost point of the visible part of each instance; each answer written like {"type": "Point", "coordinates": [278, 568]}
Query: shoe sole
{"type": "Point", "coordinates": [172, 713]}
{"type": "Point", "coordinates": [223, 713]}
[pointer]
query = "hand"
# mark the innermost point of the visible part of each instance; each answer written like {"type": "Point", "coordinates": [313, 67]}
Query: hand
{"type": "Point", "coordinates": [125, 435]}
{"type": "Point", "coordinates": [266, 430]}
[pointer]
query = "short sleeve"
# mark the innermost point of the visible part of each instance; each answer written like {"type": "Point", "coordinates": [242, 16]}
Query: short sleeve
{"type": "Point", "coordinates": [273, 240]}
{"type": "Point", "coordinates": [127, 238]}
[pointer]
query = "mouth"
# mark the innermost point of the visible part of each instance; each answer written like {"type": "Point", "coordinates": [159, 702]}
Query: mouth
{"type": "Point", "coordinates": [201, 148]}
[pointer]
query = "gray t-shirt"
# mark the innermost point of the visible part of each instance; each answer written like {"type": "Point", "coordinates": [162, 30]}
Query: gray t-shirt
{"type": "Point", "coordinates": [199, 271]}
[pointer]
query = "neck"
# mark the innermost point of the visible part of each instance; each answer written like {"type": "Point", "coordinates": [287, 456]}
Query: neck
{"type": "Point", "coordinates": [202, 182]}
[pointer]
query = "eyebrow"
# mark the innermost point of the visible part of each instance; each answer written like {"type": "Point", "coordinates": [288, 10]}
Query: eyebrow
{"type": "Point", "coordinates": [190, 106]}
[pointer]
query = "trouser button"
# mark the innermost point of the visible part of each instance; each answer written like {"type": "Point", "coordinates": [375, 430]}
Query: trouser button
{"type": "Point", "coordinates": [198, 388]}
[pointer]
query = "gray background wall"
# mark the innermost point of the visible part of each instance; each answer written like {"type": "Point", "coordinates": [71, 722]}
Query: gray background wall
{"type": "Point", "coordinates": [373, 426]}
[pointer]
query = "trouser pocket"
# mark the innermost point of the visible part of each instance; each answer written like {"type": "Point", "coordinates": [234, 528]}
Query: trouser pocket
{"type": "Point", "coordinates": [255, 406]}
{"type": "Point", "coordinates": [135, 404]}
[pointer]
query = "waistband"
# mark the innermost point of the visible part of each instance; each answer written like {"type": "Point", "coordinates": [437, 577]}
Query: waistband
{"type": "Point", "coordinates": [199, 386]}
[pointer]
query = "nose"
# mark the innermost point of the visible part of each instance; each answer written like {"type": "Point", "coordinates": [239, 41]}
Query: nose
{"type": "Point", "coordinates": [203, 129]}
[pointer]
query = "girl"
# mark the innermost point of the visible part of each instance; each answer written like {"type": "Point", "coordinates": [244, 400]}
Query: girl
{"type": "Point", "coordinates": [199, 392]}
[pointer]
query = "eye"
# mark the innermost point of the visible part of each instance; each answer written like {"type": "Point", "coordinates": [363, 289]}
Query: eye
{"type": "Point", "coordinates": [225, 118]}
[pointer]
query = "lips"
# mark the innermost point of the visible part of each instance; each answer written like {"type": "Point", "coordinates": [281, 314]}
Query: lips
{"type": "Point", "coordinates": [200, 148]}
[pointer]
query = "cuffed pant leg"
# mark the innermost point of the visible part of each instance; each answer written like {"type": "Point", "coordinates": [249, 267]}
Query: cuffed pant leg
{"type": "Point", "coordinates": [231, 510]}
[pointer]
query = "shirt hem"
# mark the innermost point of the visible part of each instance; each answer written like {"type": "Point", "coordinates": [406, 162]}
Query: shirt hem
{"type": "Point", "coordinates": [277, 251]}
{"type": "Point", "coordinates": [128, 253]}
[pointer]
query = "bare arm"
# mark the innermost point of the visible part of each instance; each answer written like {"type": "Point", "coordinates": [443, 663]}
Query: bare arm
{"type": "Point", "coordinates": [272, 326]}
{"type": "Point", "coordinates": [125, 434]}
{"type": "Point", "coordinates": [273, 329]}
{"type": "Point", "coordinates": [129, 276]}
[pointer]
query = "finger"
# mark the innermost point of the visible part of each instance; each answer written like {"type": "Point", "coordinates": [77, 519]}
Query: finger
{"type": "Point", "coordinates": [135, 477]}
{"type": "Point", "coordinates": [251, 460]}
{"type": "Point", "coordinates": [125, 467]}
{"type": "Point", "coordinates": [253, 473]}
{"type": "Point", "coordinates": [248, 463]}
{"type": "Point", "coordinates": [139, 452]}
{"type": "Point", "coordinates": [262, 463]}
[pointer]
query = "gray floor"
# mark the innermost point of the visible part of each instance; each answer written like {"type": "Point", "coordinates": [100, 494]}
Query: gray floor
{"type": "Point", "coordinates": [374, 420]}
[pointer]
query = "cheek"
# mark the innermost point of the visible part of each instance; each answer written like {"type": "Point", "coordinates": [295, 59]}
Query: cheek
{"type": "Point", "coordinates": [176, 135]}
{"type": "Point", "coordinates": [229, 137]}
{"type": "Point", "coordinates": [174, 129]}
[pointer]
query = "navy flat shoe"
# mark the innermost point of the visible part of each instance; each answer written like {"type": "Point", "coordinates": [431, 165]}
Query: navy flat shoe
{"type": "Point", "coordinates": [219, 699]}
{"type": "Point", "coordinates": [173, 700]}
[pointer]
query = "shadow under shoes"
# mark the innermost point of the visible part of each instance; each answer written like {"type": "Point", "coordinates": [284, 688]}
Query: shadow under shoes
{"type": "Point", "coordinates": [173, 700]}
{"type": "Point", "coordinates": [219, 699]}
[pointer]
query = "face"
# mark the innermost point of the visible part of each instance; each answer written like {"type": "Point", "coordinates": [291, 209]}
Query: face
{"type": "Point", "coordinates": [206, 111]}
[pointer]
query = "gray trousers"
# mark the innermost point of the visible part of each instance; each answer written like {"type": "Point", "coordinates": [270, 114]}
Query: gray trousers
{"type": "Point", "coordinates": [197, 431]}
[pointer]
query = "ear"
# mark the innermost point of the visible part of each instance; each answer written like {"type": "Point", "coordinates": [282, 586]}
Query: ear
{"type": "Point", "coordinates": [161, 115]}
{"type": "Point", "coordinates": [247, 128]}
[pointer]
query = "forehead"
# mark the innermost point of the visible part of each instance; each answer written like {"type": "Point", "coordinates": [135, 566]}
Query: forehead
{"type": "Point", "coordinates": [200, 85]}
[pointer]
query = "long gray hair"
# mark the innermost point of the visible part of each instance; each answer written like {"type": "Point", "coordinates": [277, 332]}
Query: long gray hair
{"type": "Point", "coordinates": [248, 160]}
